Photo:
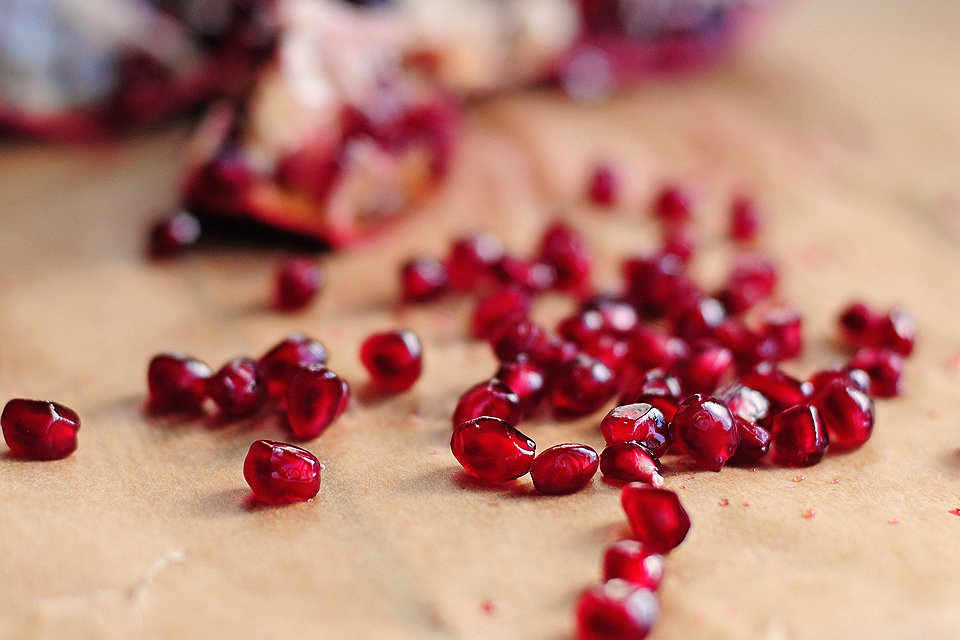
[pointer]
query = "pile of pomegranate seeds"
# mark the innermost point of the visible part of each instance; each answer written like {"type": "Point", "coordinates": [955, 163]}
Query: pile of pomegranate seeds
{"type": "Point", "coordinates": [39, 429]}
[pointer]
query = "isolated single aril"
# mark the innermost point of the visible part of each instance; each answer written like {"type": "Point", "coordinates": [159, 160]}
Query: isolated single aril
{"type": "Point", "coordinates": [616, 610]}
{"type": "Point", "coordinates": [657, 518]}
{"type": "Point", "coordinates": [564, 468]}
{"type": "Point", "coordinates": [177, 383]}
{"type": "Point", "coordinates": [393, 359]}
{"type": "Point", "coordinates": [39, 429]}
{"type": "Point", "coordinates": [279, 472]}
{"type": "Point", "coordinates": [492, 450]}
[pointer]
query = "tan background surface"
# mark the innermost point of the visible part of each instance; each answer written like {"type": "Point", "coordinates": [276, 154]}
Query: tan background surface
{"type": "Point", "coordinates": [844, 120]}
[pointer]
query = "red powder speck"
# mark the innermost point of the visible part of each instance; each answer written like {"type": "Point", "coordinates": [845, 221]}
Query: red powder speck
{"type": "Point", "coordinates": [746, 504]}
{"type": "Point", "coordinates": [434, 452]}
{"type": "Point", "coordinates": [809, 513]}
{"type": "Point", "coordinates": [724, 502]}
{"type": "Point", "coordinates": [689, 479]}
{"type": "Point", "coordinates": [752, 469]}
{"type": "Point", "coordinates": [955, 512]}
{"type": "Point", "coordinates": [835, 481]}
{"type": "Point", "coordinates": [682, 487]}
{"type": "Point", "coordinates": [490, 607]}
{"type": "Point", "coordinates": [894, 520]}
{"type": "Point", "coordinates": [798, 479]}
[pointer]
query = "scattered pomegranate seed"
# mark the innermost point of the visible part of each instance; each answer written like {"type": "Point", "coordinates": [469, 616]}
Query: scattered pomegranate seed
{"type": "Point", "coordinates": [530, 275]}
{"type": "Point", "coordinates": [172, 235]}
{"type": "Point", "coordinates": [674, 204]}
{"type": "Point", "coordinates": [706, 429]}
{"type": "Point", "coordinates": [278, 472]}
{"type": "Point", "coordinates": [638, 422]}
{"type": "Point", "coordinates": [285, 359]}
{"type": "Point", "coordinates": [503, 305]}
{"type": "Point", "coordinates": [862, 327]}
{"type": "Point", "coordinates": [315, 398]}
{"type": "Point", "coordinates": [582, 328]}
{"type": "Point", "coordinates": [658, 283]}
{"type": "Point", "coordinates": [652, 348]}
{"type": "Point", "coordinates": [631, 462]}
{"type": "Point", "coordinates": [753, 279]}
{"type": "Point", "coordinates": [781, 390]}
{"type": "Point", "coordinates": [656, 516]}
{"type": "Point", "coordinates": [809, 513]}
{"type": "Point", "coordinates": [698, 320]}
{"type": "Point", "coordinates": [618, 316]}
{"type": "Point", "coordinates": [847, 414]}
{"type": "Point", "coordinates": [885, 369]}
{"type": "Point", "coordinates": [783, 327]}
{"type": "Point", "coordinates": [754, 443]}
{"type": "Point", "coordinates": [858, 325]}
{"type": "Point", "coordinates": [656, 388]}
{"type": "Point", "coordinates": [393, 359]}
{"type": "Point", "coordinates": [955, 512]}
{"type": "Point", "coordinates": [747, 403]}
{"type": "Point", "coordinates": [490, 398]}
{"type": "Point", "coordinates": [580, 387]}
{"type": "Point", "coordinates": [472, 258]}
{"type": "Point", "coordinates": [492, 450]}
{"type": "Point", "coordinates": [565, 468]}
{"type": "Point", "coordinates": [177, 383]}
{"type": "Point", "coordinates": [744, 219]}
{"type": "Point", "coordinates": [567, 252]}
{"type": "Point", "coordinates": [296, 284]}
{"type": "Point", "coordinates": [520, 337]}
{"type": "Point", "coordinates": [898, 331]}
{"type": "Point", "coordinates": [603, 189]}
{"type": "Point", "coordinates": [423, 279]}
{"type": "Point", "coordinates": [39, 429]}
{"type": "Point", "coordinates": [680, 241]}
{"type": "Point", "coordinates": [631, 561]}
{"type": "Point", "coordinates": [526, 380]}
{"type": "Point", "coordinates": [799, 437]}
{"type": "Point", "coordinates": [856, 378]}
{"type": "Point", "coordinates": [237, 388]}
{"type": "Point", "coordinates": [708, 366]}
{"type": "Point", "coordinates": [616, 610]}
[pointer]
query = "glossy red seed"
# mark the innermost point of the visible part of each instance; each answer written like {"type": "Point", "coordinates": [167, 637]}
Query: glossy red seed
{"type": "Point", "coordinates": [285, 359]}
{"type": "Point", "coordinates": [754, 443]}
{"type": "Point", "coordinates": [674, 204]}
{"type": "Point", "coordinates": [603, 189]}
{"type": "Point", "coordinates": [423, 279]}
{"type": "Point", "coordinates": [745, 219]}
{"type": "Point", "coordinates": [315, 398]}
{"type": "Point", "coordinates": [631, 561]}
{"type": "Point", "coordinates": [851, 377]}
{"type": "Point", "coordinates": [655, 388]}
{"type": "Point", "coordinates": [630, 462]}
{"type": "Point", "coordinates": [561, 353]}
{"type": "Point", "coordinates": [706, 429]}
{"type": "Point", "coordinates": [639, 422]}
{"type": "Point", "coordinates": [237, 388]}
{"type": "Point", "coordinates": [657, 518]}
{"type": "Point", "coordinates": [749, 404]}
{"type": "Point", "coordinates": [847, 414]}
{"type": "Point", "coordinates": [616, 610]}
{"type": "Point", "coordinates": [492, 450]}
{"type": "Point", "coordinates": [296, 284]}
{"type": "Point", "coordinates": [527, 381]}
{"type": "Point", "coordinates": [472, 259]}
{"type": "Point", "coordinates": [611, 351]}
{"type": "Point", "coordinates": [897, 331]}
{"type": "Point", "coordinates": [658, 283]}
{"type": "Point", "coordinates": [858, 325]}
{"type": "Point", "coordinates": [783, 327]}
{"type": "Point", "coordinates": [172, 235]}
{"type": "Point", "coordinates": [754, 277]}
{"type": "Point", "coordinates": [393, 359]}
{"type": "Point", "coordinates": [748, 347]}
{"type": "Point", "coordinates": [781, 390]}
{"type": "Point", "coordinates": [799, 437]}
{"type": "Point", "coordinates": [708, 366]}
{"type": "Point", "coordinates": [177, 383]}
{"type": "Point", "coordinates": [580, 387]}
{"type": "Point", "coordinates": [617, 316]}
{"type": "Point", "coordinates": [531, 275]}
{"type": "Point", "coordinates": [565, 468]}
{"type": "Point", "coordinates": [39, 429]}
{"type": "Point", "coordinates": [521, 337]}
{"type": "Point", "coordinates": [698, 320]}
{"type": "Point", "coordinates": [567, 252]}
{"type": "Point", "coordinates": [582, 328]}
{"type": "Point", "coordinates": [503, 305]}
{"type": "Point", "coordinates": [490, 398]}
{"type": "Point", "coordinates": [652, 348]}
{"type": "Point", "coordinates": [885, 369]}
{"type": "Point", "coordinates": [278, 472]}
{"type": "Point", "coordinates": [680, 241]}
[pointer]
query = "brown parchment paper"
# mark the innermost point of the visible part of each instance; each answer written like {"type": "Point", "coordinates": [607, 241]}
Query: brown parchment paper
{"type": "Point", "coordinates": [844, 120]}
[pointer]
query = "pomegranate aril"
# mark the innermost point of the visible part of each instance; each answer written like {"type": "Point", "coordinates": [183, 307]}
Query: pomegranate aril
{"type": "Point", "coordinates": [858, 325]}
{"type": "Point", "coordinates": [296, 284]}
{"type": "Point", "coordinates": [520, 337]}
{"type": "Point", "coordinates": [707, 431]}
{"type": "Point", "coordinates": [237, 388]}
{"type": "Point", "coordinates": [172, 235]}
{"type": "Point", "coordinates": [611, 351]}
{"type": "Point", "coordinates": [708, 366]}
{"type": "Point", "coordinates": [847, 414]}
{"type": "Point", "coordinates": [631, 561]}
{"type": "Point", "coordinates": [566, 251]}
{"type": "Point", "coordinates": [781, 390]}
{"type": "Point", "coordinates": [799, 437]}
{"type": "Point", "coordinates": [618, 317]}
{"type": "Point", "coordinates": [748, 347]}
{"type": "Point", "coordinates": [279, 472]}
{"type": "Point", "coordinates": [885, 369]}
{"type": "Point", "coordinates": [747, 403]}
{"type": "Point", "coordinates": [680, 241]}
{"type": "Point", "coordinates": [530, 275]}
{"type": "Point", "coordinates": [658, 283]}
{"type": "Point", "coordinates": [655, 388]}
{"type": "Point", "coordinates": [393, 359]}
{"type": "Point", "coordinates": [897, 330]}
{"type": "Point", "coordinates": [616, 610]}
{"type": "Point", "coordinates": [177, 383]}
{"type": "Point", "coordinates": [490, 398]}
{"type": "Point", "coordinates": [631, 462]}
{"type": "Point", "coordinates": [582, 328]}
{"type": "Point", "coordinates": [639, 422]}
{"type": "Point", "coordinates": [492, 450]}
{"type": "Point", "coordinates": [580, 387]}
{"type": "Point", "coordinates": [503, 305]}
{"type": "Point", "coordinates": [39, 429]}
{"type": "Point", "coordinates": [856, 378]}
{"type": "Point", "coordinates": [472, 259]}
{"type": "Point", "coordinates": [754, 443]}
{"type": "Point", "coordinates": [651, 348]}
{"type": "Point", "coordinates": [745, 219]}
{"type": "Point", "coordinates": [674, 204]}
{"type": "Point", "coordinates": [657, 518]}
{"type": "Point", "coordinates": [754, 278]}
{"type": "Point", "coordinates": [316, 396]}
{"type": "Point", "coordinates": [565, 468]}
{"type": "Point", "coordinates": [423, 279]}
{"type": "Point", "coordinates": [698, 320]}
{"type": "Point", "coordinates": [603, 189]}
{"type": "Point", "coordinates": [527, 381]}
{"type": "Point", "coordinates": [783, 328]}
{"type": "Point", "coordinates": [283, 361]}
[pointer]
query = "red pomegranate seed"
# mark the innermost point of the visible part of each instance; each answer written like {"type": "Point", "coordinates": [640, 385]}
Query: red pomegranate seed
{"type": "Point", "coordinates": [520, 337]}
{"type": "Point", "coordinates": [856, 378]}
{"type": "Point", "coordinates": [618, 317]}
{"type": "Point", "coordinates": [283, 361]}
{"type": "Point", "coordinates": [630, 462]}
{"type": "Point", "coordinates": [278, 472]}
{"type": "Point", "coordinates": [658, 283]}
{"type": "Point", "coordinates": [744, 219]}
{"type": "Point", "coordinates": [502, 305]}
{"type": "Point", "coordinates": [527, 381]}
{"type": "Point", "coordinates": [639, 422]}
{"type": "Point", "coordinates": [39, 429]}
{"type": "Point", "coordinates": [561, 353]}
{"type": "Point", "coordinates": [565, 468]}
{"type": "Point", "coordinates": [706, 429]}
{"type": "Point", "coordinates": [749, 404]}
{"type": "Point", "coordinates": [177, 383]}
{"type": "Point", "coordinates": [631, 561]}
{"type": "Point", "coordinates": [651, 348]}
{"type": "Point", "coordinates": [529, 275]}
{"type": "Point", "coordinates": [423, 279]}
{"type": "Point", "coordinates": [799, 437]}
{"type": "Point", "coordinates": [393, 359]}
{"type": "Point", "coordinates": [582, 328]}
{"type": "Point", "coordinates": [237, 388]}
{"type": "Point", "coordinates": [708, 366]}
{"type": "Point", "coordinates": [754, 443]}
{"type": "Point", "coordinates": [603, 189]}
{"type": "Point", "coordinates": [753, 279]}
{"type": "Point", "coordinates": [610, 351]}
{"type": "Point", "coordinates": [296, 284]}
{"type": "Point", "coordinates": [680, 241]}
{"type": "Point", "coordinates": [616, 610]}
{"type": "Point", "coordinates": [492, 450]}
{"type": "Point", "coordinates": [885, 369]}
{"type": "Point", "coordinates": [657, 518]}
{"type": "Point", "coordinates": [580, 387]}
{"type": "Point", "coordinates": [674, 204]}
{"type": "Point", "coordinates": [748, 347]}
{"type": "Point", "coordinates": [472, 258]}
{"type": "Point", "coordinates": [655, 388]}
{"type": "Point", "coordinates": [567, 252]}
{"type": "Point", "coordinates": [858, 325]}
{"type": "Point", "coordinates": [781, 390]}
{"type": "Point", "coordinates": [315, 398]}
{"type": "Point", "coordinates": [173, 234]}
{"type": "Point", "coordinates": [847, 414]}
{"type": "Point", "coordinates": [784, 329]}
{"type": "Point", "coordinates": [698, 320]}
{"type": "Point", "coordinates": [490, 398]}
{"type": "Point", "coordinates": [898, 331]}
